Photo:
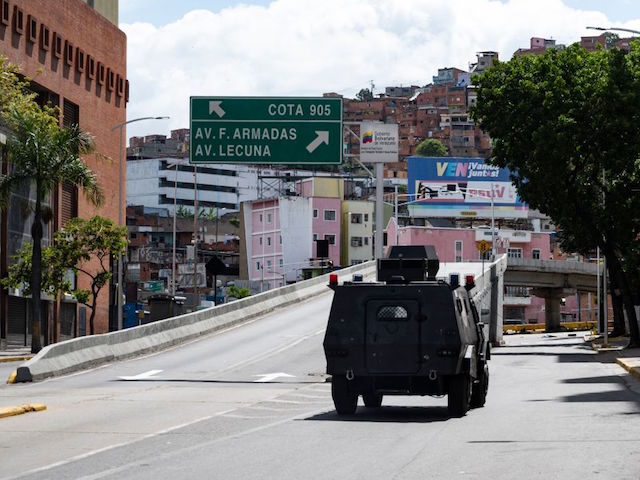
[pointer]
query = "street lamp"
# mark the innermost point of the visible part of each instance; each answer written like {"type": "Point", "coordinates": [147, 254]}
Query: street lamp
{"type": "Point", "coordinates": [120, 127]}
{"type": "Point", "coordinates": [175, 207]}
{"type": "Point", "coordinates": [602, 29]}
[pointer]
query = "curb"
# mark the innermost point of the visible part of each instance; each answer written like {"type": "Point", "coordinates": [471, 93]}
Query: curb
{"type": "Point", "coordinates": [23, 358]}
{"type": "Point", "coordinates": [631, 365]}
{"type": "Point", "coordinates": [13, 411]}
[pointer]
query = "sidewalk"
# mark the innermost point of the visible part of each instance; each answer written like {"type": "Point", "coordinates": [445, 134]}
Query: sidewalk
{"type": "Point", "coordinates": [13, 354]}
{"type": "Point", "coordinates": [627, 359]}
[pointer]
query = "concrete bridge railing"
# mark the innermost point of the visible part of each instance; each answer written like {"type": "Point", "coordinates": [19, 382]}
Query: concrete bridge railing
{"type": "Point", "coordinates": [95, 350]}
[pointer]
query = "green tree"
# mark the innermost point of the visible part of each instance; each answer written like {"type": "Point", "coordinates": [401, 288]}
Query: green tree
{"type": "Point", "coordinates": [184, 212]}
{"type": "Point", "coordinates": [431, 148]}
{"type": "Point", "coordinates": [83, 247]}
{"type": "Point", "coordinates": [42, 155]}
{"type": "Point", "coordinates": [238, 292]}
{"type": "Point", "coordinates": [364, 95]}
{"type": "Point", "coordinates": [13, 90]}
{"type": "Point", "coordinates": [567, 124]}
{"type": "Point", "coordinates": [210, 214]}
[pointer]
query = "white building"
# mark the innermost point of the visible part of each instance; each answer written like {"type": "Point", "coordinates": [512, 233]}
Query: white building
{"type": "Point", "coordinates": [152, 182]}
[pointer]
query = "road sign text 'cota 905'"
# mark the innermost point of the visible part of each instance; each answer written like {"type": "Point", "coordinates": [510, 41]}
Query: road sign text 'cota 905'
{"type": "Point", "coordinates": [271, 130]}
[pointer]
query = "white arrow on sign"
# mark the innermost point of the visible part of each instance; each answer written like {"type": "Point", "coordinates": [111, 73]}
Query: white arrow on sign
{"type": "Point", "coordinates": [214, 106]}
{"type": "Point", "coordinates": [322, 137]}
{"type": "Point", "coordinates": [141, 376]}
{"type": "Point", "coordinates": [269, 377]}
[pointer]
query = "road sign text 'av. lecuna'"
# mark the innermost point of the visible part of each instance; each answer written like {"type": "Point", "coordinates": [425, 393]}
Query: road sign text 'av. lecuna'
{"type": "Point", "coordinates": [272, 130]}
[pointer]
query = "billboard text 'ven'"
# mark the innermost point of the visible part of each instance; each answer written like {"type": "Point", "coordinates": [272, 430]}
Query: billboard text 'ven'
{"type": "Point", "coordinates": [461, 187]}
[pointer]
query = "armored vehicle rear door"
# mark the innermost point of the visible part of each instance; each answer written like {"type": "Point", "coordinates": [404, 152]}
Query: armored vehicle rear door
{"type": "Point", "coordinates": [392, 341]}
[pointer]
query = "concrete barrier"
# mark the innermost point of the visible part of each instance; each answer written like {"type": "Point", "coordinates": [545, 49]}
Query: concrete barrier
{"type": "Point", "coordinates": [95, 350]}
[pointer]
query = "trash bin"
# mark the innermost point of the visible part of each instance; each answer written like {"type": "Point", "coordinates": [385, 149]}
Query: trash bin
{"type": "Point", "coordinates": [164, 306]}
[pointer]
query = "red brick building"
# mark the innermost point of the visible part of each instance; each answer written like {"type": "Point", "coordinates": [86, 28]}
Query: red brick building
{"type": "Point", "coordinates": [75, 57]}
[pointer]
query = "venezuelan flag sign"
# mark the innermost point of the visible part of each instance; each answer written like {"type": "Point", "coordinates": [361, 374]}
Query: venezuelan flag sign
{"type": "Point", "coordinates": [367, 137]}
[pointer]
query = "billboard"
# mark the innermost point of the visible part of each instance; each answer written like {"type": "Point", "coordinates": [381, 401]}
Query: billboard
{"type": "Point", "coordinates": [378, 142]}
{"type": "Point", "coordinates": [461, 187]}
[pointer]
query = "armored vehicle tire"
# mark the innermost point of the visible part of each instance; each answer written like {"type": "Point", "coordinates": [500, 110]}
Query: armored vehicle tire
{"type": "Point", "coordinates": [480, 389]}
{"type": "Point", "coordinates": [344, 398]}
{"type": "Point", "coordinates": [372, 399]}
{"type": "Point", "coordinates": [459, 395]}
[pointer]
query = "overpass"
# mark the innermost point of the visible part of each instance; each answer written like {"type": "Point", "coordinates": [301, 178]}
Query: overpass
{"type": "Point", "coordinates": [551, 280]}
{"type": "Point", "coordinates": [95, 350]}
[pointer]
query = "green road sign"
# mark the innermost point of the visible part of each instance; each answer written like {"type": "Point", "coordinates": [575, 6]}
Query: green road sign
{"type": "Point", "coordinates": [276, 130]}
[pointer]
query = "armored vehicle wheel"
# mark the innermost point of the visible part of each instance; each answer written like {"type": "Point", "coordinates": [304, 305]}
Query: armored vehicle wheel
{"type": "Point", "coordinates": [344, 398]}
{"type": "Point", "coordinates": [372, 399]}
{"type": "Point", "coordinates": [479, 390]}
{"type": "Point", "coordinates": [459, 395]}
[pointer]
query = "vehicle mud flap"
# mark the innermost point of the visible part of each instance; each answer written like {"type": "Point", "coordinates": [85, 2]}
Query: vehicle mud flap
{"type": "Point", "coordinates": [459, 397]}
{"type": "Point", "coordinates": [480, 388]}
{"type": "Point", "coordinates": [344, 394]}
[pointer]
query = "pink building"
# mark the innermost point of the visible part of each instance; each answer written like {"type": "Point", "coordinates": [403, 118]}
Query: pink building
{"type": "Point", "coordinates": [279, 237]}
{"type": "Point", "coordinates": [461, 244]}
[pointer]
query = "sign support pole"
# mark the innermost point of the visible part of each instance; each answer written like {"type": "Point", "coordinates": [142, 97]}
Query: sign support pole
{"type": "Point", "coordinates": [379, 209]}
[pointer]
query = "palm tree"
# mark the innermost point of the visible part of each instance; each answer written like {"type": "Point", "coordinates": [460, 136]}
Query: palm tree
{"type": "Point", "coordinates": [43, 154]}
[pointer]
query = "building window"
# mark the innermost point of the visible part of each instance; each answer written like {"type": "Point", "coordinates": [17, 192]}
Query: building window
{"type": "Point", "coordinates": [366, 240]}
{"type": "Point", "coordinates": [356, 218]}
{"type": "Point", "coordinates": [268, 241]}
{"type": "Point", "coordinates": [79, 60]}
{"type": "Point", "coordinates": [331, 238]}
{"type": "Point", "coordinates": [315, 237]}
{"type": "Point", "coordinates": [366, 217]}
{"type": "Point", "coordinates": [18, 20]}
{"type": "Point", "coordinates": [45, 38]}
{"type": "Point", "coordinates": [70, 114]}
{"type": "Point", "coordinates": [68, 53]}
{"type": "Point", "coordinates": [260, 218]}
{"type": "Point", "coordinates": [281, 263]}
{"type": "Point", "coordinates": [514, 252]}
{"type": "Point", "coordinates": [458, 250]}
{"type": "Point", "coordinates": [268, 264]}
{"type": "Point", "coordinates": [260, 241]}
{"type": "Point", "coordinates": [32, 29]}
{"type": "Point", "coordinates": [356, 241]}
{"type": "Point", "coordinates": [280, 239]}
{"type": "Point", "coordinates": [315, 213]}
{"type": "Point", "coordinates": [119, 86]}
{"type": "Point", "coordinates": [535, 254]}
{"type": "Point", "coordinates": [91, 67]}
{"type": "Point", "coordinates": [111, 80]}
{"type": "Point", "coordinates": [57, 45]}
{"type": "Point", "coordinates": [268, 218]}
{"type": "Point", "coordinates": [257, 265]}
{"type": "Point", "coordinates": [330, 215]}
{"type": "Point", "coordinates": [101, 73]}
{"type": "Point", "coordinates": [4, 13]}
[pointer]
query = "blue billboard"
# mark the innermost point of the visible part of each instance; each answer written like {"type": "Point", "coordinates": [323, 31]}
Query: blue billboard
{"type": "Point", "coordinates": [461, 187]}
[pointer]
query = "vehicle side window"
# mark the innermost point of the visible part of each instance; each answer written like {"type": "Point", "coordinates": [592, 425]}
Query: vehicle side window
{"type": "Point", "coordinates": [392, 313]}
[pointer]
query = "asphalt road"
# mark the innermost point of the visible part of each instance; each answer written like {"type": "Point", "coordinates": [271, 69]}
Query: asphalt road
{"type": "Point", "coordinates": [252, 402]}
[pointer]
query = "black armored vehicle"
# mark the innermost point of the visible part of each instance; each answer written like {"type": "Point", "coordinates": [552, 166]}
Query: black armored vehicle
{"type": "Point", "coordinates": [406, 334]}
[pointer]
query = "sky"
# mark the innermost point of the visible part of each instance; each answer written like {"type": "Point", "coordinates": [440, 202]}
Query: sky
{"type": "Point", "coordinates": [178, 49]}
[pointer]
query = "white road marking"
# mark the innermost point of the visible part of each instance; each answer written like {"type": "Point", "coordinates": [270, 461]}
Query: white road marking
{"type": "Point", "coordinates": [270, 377]}
{"type": "Point", "coordinates": [141, 376]}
